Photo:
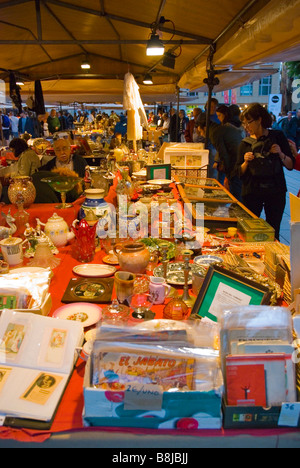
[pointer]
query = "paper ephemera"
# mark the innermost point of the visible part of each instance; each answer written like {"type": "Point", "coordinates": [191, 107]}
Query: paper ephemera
{"type": "Point", "coordinates": [4, 373]}
{"type": "Point", "coordinates": [12, 339]}
{"type": "Point", "coordinates": [56, 346]}
{"type": "Point", "coordinates": [116, 370]}
{"type": "Point", "coordinates": [41, 388]}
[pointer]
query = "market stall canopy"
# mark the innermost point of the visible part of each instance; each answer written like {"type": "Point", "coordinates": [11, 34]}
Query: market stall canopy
{"type": "Point", "coordinates": [48, 40]}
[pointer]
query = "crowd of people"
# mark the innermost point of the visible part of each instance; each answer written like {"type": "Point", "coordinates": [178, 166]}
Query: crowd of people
{"type": "Point", "coordinates": [247, 153]}
{"type": "Point", "coordinates": [46, 125]}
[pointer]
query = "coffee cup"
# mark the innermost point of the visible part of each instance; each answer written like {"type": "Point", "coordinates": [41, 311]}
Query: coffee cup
{"type": "Point", "coordinates": [12, 250]}
{"type": "Point", "coordinates": [232, 231]}
{"type": "Point", "coordinates": [158, 289]}
{"type": "Point", "coordinates": [124, 285]}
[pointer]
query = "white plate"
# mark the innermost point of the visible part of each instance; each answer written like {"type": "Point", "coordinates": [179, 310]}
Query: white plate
{"type": "Point", "coordinates": [208, 260]}
{"type": "Point", "coordinates": [85, 313]}
{"type": "Point", "coordinates": [94, 270]}
{"type": "Point", "coordinates": [160, 181]}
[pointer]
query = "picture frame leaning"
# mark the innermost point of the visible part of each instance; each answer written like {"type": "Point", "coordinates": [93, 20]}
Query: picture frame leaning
{"type": "Point", "coordinates": [221, 287]}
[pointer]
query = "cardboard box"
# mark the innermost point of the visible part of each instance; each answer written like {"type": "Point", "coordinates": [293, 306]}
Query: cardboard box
{"type": "Point", "coordinates": [245, 417]}
{"type": "Point", "coordinates": [43, 310]}
{"type": "Point", "coordinates": [255, 230]}
{"type": "Point", "coordinates": [179, 410]}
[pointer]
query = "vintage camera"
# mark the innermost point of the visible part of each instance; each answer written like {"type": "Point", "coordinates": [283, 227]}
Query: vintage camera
{"type": "Point", "coordinates": [261, 149]}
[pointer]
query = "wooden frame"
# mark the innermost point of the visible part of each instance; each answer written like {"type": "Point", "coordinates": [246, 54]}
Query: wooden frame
{"type": "Point", "coordinates": [218, 282]}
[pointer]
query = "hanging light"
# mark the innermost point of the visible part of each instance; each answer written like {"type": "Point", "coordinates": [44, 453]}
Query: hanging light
{"type": "Point", "coordinates": [155, 45]}
{"type": "Point", "coordinates": [147, 79]}
{"type": "Point", "coordinates": [19, 82]}
{"type": "Point", "coordinates": [85, 65]}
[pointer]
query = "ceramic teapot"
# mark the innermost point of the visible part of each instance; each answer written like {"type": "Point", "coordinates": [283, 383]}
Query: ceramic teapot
{"type": "Point", "coordinates": [57, 230]}
{"type": "Point", "coordinates": [132, 256]}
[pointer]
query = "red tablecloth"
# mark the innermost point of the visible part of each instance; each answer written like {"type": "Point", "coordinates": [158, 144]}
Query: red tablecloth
{"type": "Point", "coordinates": [69, 413]}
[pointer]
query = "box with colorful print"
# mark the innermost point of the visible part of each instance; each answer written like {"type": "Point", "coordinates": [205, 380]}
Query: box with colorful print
{"type": "Point", "coordinates": [143, 385]}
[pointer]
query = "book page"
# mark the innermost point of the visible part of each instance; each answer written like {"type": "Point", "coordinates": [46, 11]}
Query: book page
{"type": "Point", "coordinates": [32, 394]}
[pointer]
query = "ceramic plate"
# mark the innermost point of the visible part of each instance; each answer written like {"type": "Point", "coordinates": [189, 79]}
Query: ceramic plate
{"type": "Point", "coordinates": [110, 259]}
{"type": "Point", "coordinates": [87, 314]}
{"type": "Point", "coordinates": [90, 335]}
{"type": "Point", "coordinates": [175, 272]}
{"type": "Point", "coordinates": [207, 260]}
{"type": "Point", "coordinates": [94, 270]}
{"type": "Point", "coordinates": [160, 181]}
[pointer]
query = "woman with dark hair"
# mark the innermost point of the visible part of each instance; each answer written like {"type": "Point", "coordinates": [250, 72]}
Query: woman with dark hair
{"type": "Point", "coordinates": [261, 159]}
{"type": "Point", "coordinates": [28, 161]}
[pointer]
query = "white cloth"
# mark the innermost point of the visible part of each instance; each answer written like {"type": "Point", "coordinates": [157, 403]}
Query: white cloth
{"type": "Point", "coordinates": [132, 102]}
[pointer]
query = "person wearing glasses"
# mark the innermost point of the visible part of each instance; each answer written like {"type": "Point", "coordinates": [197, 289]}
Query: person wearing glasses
{"type": "Point", "coordinates": [65, 161]}
{"type": "Point", "coordinates": [262, 157]}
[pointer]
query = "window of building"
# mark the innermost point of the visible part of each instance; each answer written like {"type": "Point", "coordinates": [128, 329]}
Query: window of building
{"type": "Point", "coordinates": [246, 90]}
{"type": "Point", "coordinates": [265, 85]}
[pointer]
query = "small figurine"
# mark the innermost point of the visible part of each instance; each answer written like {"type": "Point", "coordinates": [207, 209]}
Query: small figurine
{"type": "Point", "coordinates": [7, 231]}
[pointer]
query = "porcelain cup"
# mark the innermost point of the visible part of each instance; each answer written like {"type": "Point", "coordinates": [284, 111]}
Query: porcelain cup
{"type": "Point", "coordinates": [158, 289]}
{"type": "Point", "coordinates": [12, 250]}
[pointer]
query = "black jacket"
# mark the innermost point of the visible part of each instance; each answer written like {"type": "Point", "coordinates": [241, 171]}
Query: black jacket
{"type": "Point", "coordinates": [78, 161]}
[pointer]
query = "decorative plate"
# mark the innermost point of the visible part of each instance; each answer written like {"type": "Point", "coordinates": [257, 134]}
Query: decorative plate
{"type": "Point", "coordinates": [160, 181]}
{"type": "Point", "coordinates": [110, 260]}
{"type": "Point", "coordinates": [207, 260]}
{"type": "Point", "coordinates": [175, 272]}
{"type": "Point", "coordinates": [93, 290]}
{"type": "Point", "coordinates": [86, 314]}
{"type": "Point", "coordinates": [93, 270]}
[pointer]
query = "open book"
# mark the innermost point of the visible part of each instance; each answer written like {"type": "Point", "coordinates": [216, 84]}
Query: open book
{"type": "Point", "coordinates": [37, 356]}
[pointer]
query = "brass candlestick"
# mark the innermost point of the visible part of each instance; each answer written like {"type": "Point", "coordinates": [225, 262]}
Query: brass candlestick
{"type": "Point", "coordinates": [164, 260]}
{"type": "Point", "coordinates": [186, 298]}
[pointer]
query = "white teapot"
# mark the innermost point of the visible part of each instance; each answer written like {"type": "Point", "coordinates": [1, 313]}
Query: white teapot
{"type": "Point", "coordinates": [57, 230]}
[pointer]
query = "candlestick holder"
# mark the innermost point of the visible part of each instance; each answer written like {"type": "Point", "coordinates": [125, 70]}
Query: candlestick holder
{"type": "Point", "coordinates": [186, 298]}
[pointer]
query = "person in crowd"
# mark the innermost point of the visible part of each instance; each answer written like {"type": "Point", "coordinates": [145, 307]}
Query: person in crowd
{"type": "Point", "coordinates": [43, 122]}
{"type": "Point", "coordinates": [14, 121]}
{"type": "Point", "coordinates": [213, 108]}
{"type": "Point", "coordinates": [289, 126]}
{"type": "Point", "coordinates": [226, 140]}
{"type": "Point", "coordinates": [65, 163]}
{"type": "Point", "coordinates": [173, 125]}
{"type": "Point", "coordinates": [22, 123]}
{"type": "Point", "coordinates": [182, 124]}
{"type": "Point", "coordinates": [64, 159]}
{"type": "Point", "coordinates": [234, 116]}
{"type": "Point", "coordinates": [261, 158]}
{"type": "Point", "coordinates": [29, 123]}
{"type": "Point", "coordinates": [53, 122]}
{"type": "Point", "coordinates": [62, 120]}
{"type": "Point", "coordinates": [159, 122]}
{"type": "Point", "coordinates": [5, 127]}
{"type": "Point", "coordinates": [91, 117]}
{"type": "Point", "coordinates": [28, 161]}
{"type": "Point", "coordinates": [69, 120]}
{"type": "Point", "coordinates": [164, 128]}
{"type": "Point", "coordinates": [191, 134]}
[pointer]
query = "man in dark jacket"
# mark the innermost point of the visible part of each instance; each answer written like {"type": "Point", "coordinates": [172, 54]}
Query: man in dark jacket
{"type": "Point", "coordinates": [226, 139]}
{"type": "Point", "coordinates": [63, 159]}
